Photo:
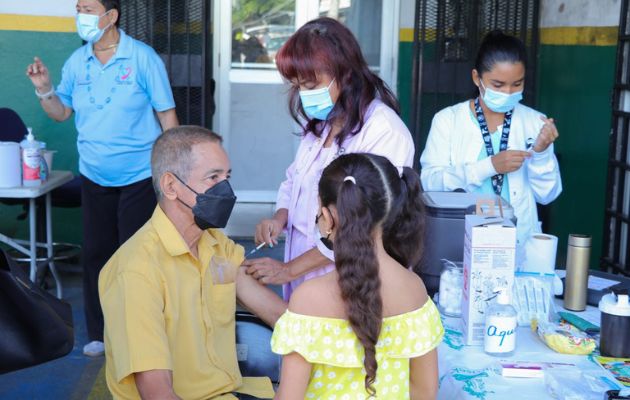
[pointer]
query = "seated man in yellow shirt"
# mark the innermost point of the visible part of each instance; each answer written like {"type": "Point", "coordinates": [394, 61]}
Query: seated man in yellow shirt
{"type": "Point", "coordinates": [169, 293]}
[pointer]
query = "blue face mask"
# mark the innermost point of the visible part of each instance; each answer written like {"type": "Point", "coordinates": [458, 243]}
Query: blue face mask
{"type": "Point", "coordinates": [87, 27]}
{"type": "Point", "coordinates": [500, 102]}
{"type": "Point", "coordinates": [317, 103]}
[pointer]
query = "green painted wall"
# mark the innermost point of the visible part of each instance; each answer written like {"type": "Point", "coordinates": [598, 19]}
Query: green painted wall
{"type": "Point", "coordinates": [575, 88]}
{"type": "Point", "coordinates": [405, 58]}
{"type": "Point", "coordinates": [431, 103]}
{"type": "Point", "coordinates": [17, 50]}
{"type": "Point", "coordinates": [405, 70]}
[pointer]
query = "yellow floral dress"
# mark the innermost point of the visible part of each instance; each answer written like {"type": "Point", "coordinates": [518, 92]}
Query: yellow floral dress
{"type": "Point", "coordinates": [337, 355]}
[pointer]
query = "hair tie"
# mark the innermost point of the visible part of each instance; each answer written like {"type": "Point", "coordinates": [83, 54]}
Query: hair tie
{"type": "Point", "coordinates": [350, 178]}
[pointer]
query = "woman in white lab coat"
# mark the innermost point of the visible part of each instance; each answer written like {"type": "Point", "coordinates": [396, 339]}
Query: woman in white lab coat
{"type": "Point", "coordinates": [492, 144]}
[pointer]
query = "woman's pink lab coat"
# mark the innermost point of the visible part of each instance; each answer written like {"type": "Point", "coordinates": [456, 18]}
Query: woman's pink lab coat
{"type": "Point", "coordinates": [383, 133]}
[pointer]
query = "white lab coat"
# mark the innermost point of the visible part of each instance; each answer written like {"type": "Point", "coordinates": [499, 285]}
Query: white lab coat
{"type": "Point", "coordinates": [449, 161]}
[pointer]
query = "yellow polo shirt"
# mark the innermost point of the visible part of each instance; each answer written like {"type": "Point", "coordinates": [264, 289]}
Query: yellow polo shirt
{"type": "Point", "coordinates": [163, 311]}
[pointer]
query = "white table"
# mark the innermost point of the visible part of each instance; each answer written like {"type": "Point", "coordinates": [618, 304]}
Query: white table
{"type": "Point", "coordinates": [55, 180]}
{"type": "Point", "coordinates": [466, 372]}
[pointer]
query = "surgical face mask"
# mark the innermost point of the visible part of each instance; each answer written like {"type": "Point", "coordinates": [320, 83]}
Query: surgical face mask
{"type": "Point", "coordinates": [87, 27]}
{"type": "Point", "coordinates": [317, 103]}
{"type": "Point", "coordinates": [213, 207]}
{"type": "Point", "coordinates": [498, 101]}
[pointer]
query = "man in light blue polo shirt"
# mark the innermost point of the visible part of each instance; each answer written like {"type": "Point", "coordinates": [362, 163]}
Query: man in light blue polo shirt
{"type": "Point", "coordinates": [119, 91]}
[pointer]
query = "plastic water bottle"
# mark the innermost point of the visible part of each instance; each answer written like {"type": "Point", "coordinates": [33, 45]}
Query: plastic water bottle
{"type": "Point", "coordinates": [500, 331]}
{"type": "Point", "coordinates": [31, 160]}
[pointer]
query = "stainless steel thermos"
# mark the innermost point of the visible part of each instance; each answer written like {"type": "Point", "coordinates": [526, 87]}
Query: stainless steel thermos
{"type": "Point", "coordinates": [575, 287]}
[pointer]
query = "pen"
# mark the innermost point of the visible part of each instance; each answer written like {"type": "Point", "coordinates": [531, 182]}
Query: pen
{"type": "Point", "coordinates": [260, 246]}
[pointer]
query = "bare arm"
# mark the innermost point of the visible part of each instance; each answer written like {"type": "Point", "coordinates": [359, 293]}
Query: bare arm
{"type": "Point", "coordinates": [38, 74]}
{"type": "Point", "coordinates": [168, 119]}
{"type": "Point", "coordinates": [294, 377]}
{"type": "Point", "coordinates": [270, 271]}
{"type": "Point", "coordinates": [54, 108]}
{"type": "Point", "coordinates": [307, 262]}
{"type": "Point", "coordinates": [258, 299]}
{"type": "Point", "coordinates": [423, 376]}
{"type": "Point", "coordinates": [155, 384]}
{"type": "Point", "coordinates": [273, 272]}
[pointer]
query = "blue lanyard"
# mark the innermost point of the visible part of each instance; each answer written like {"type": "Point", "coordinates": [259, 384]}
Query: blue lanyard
{"type": "Point", "coordinates": [497, 180]}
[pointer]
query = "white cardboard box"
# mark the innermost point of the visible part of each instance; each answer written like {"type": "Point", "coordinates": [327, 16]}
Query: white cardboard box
{"type": "Point", "coordinates": [489, 261]}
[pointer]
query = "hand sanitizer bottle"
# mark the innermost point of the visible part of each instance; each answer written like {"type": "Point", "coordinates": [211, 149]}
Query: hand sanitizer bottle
{"type": "Point", "coordinates": [31, 160]}
{"type": "Point", "coordinates": [500, 334]}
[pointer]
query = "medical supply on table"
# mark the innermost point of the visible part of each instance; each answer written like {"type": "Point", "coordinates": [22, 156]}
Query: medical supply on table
{"type": "Point", "coordinates": [564, 338]}
{"type": "Point", "coordinates": [579, 323]}
{"type": "Point", "coordinates": [510, 369]}
{"type": "Point", "coordinates": [575, 289]}
{"type": "Point", "coordinates": [540, 253]}
{"type": "Point", "coordinates": [573, 384]}
{"type": "Point", "coordinates": [529, 369]}
{"type": "Point", "coordinates": [500, 328]}
{"type": "Point", "coordinates": [10, 169]}
{"type": "Point", "coordinates": [532, 296]}
{"type": "Point", "coordinates": [31, 160]}
{"type": "Point", "coordinates": [489, 262]}
{"type": "Point", "coordinates": [451, 287]}
{"type": "Point", "coordinates": [614, 338]}
{"type": "Point", "coordinates": [445, 229]}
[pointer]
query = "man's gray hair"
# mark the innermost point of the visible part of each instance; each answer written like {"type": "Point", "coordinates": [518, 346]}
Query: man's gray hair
{"type": "Point", "coordinates": [172, 152]}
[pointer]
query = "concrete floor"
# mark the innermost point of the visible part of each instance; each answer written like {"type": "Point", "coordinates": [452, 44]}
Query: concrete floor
{"type": "Point", "coordinates": [75, 376]}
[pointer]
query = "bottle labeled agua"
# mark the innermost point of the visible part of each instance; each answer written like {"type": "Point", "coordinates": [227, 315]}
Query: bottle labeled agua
{"type": "Point", "coordinates": [500, 329]}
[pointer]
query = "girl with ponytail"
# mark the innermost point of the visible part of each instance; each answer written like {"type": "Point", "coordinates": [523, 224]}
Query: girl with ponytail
{"type": "Point", "coordinates": [367, 329]}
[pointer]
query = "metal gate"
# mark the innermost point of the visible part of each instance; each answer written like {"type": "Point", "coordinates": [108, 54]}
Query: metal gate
{"type": "Point", "coordinates": [447, 34]}
{"type": "Point", "coordinates": [180, 32]}
{"type": "Point", "coordinates": [616, 257]}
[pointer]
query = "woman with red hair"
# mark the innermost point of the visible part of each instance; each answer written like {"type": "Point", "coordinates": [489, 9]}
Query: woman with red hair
{"type": "Point", "coordinates": [342, 107]}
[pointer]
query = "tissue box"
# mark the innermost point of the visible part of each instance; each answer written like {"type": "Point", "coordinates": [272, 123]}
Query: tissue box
{"type": "Point", "coordinates": [489, 263]}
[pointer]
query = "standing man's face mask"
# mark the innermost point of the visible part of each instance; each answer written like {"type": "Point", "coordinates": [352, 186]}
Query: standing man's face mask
{"type": "Point", "coordinates": [87, 27]}
{"type": "Point", "coordinates": [500, 102]}
{"type": "Point", "coordinates": [213, 207]}
{"type": "Point", "coordinates": [317, 103]}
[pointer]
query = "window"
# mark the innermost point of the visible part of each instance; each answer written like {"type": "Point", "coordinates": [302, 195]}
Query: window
{"type": "Point", "coordinates": [260, 28]}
